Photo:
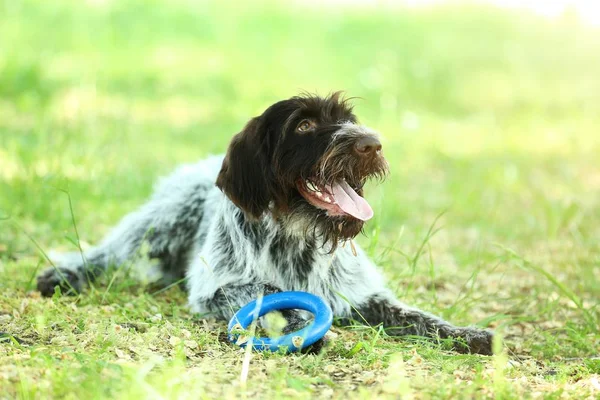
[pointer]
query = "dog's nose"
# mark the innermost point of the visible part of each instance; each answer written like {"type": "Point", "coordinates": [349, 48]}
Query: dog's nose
{"type": "Point", "coordinates": [367, 146]}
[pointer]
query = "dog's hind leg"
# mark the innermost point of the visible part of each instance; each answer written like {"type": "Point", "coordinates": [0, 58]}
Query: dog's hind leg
{"type": "Point", "coordinates": [165, 229]}
{"type": "Point", "coordinates": [73, 271]}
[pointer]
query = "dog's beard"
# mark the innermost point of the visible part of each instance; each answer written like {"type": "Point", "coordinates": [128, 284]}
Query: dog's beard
{"type": "Point", "coordinates": [329, 205]}
{"type": "Point", "coordinates": [316, 225]}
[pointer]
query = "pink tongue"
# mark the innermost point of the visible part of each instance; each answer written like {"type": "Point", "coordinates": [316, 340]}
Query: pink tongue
{"type": "Point", "coordinates": [349, 201]}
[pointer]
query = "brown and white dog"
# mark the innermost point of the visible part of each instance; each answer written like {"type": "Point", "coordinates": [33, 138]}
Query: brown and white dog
{"type": "Point", "coordinates": [269, 217]}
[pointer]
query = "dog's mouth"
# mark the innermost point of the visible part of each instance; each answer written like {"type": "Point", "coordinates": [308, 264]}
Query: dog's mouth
{"type": "Point", "coordinates": [338, 199]}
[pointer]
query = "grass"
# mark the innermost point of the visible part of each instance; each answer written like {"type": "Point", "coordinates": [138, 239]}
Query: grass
{"type": "Point", "coordinates": [490, 215]}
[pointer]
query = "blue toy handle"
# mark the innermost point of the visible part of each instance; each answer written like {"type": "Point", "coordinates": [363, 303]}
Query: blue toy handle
{"type": "Point", "coordinates": [323, 318]}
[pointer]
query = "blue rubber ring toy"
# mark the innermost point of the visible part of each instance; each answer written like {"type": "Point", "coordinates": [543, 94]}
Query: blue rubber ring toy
{"type": "Point", "coordinates": [323, 317]}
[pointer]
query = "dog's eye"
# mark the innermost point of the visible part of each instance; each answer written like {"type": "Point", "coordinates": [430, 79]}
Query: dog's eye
{"type": "Point", "coordinates": [305, 126]}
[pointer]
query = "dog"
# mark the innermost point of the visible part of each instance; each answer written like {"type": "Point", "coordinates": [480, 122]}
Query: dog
{"type": "Point", "coordinates": [273, 214]}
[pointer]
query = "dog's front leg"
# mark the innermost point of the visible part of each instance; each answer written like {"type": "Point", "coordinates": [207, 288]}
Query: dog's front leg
{"type": "Point", "coordinates": [399, 319]}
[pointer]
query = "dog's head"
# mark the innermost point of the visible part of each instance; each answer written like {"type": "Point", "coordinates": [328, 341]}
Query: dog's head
{"type": "Point", "coordinates": [305, 160]}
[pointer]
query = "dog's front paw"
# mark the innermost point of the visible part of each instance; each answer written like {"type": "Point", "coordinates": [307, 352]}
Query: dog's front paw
{"type": "Point", "coordinates": [473, 340]}
{"type": "Point", "coordinates": [68, 280]}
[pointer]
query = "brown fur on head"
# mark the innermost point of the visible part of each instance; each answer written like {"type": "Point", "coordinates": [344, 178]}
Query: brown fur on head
{"type": "Point", "coordinates": [297, 145]}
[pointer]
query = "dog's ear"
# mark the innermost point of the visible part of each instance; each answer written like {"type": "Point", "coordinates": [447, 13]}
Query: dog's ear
{"type": "Point", "coordinates": [246, 176]}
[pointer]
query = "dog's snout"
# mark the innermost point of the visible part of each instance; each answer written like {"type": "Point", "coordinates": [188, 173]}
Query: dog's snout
{"type": "Point", "coordinates": [367, 146]}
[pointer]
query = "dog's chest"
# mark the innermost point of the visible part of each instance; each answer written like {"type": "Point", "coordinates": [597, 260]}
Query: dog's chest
{"type": "Point", "coordinates": [296, 265]}
{"type": "Point", "coordinates": [269, 252]}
